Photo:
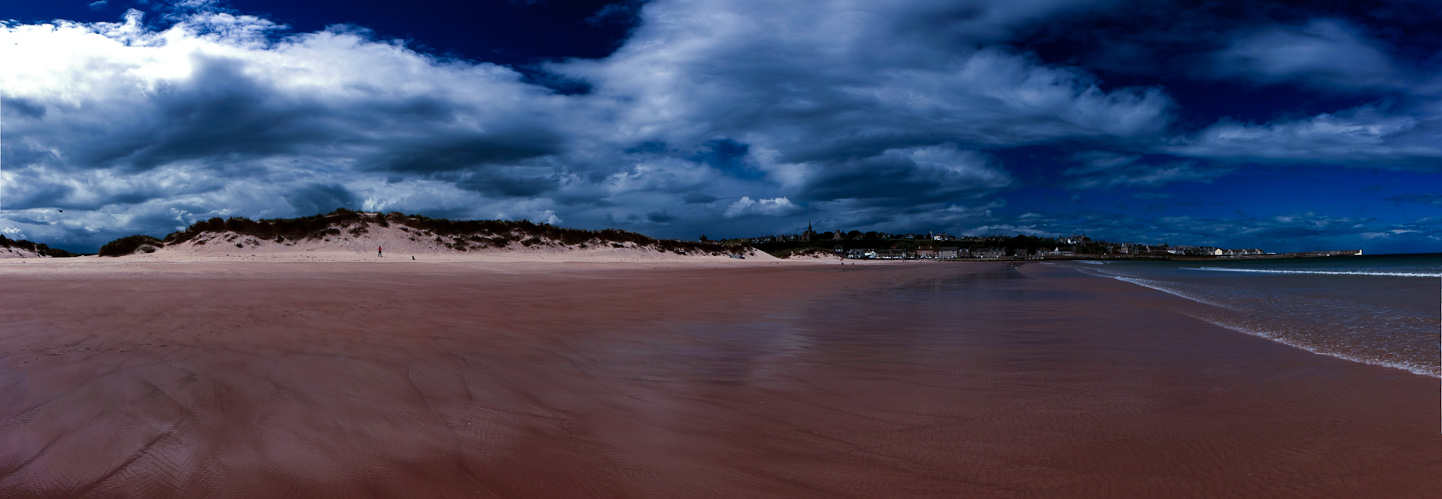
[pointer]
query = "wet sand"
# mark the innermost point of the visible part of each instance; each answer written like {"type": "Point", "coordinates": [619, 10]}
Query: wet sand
{"type": "Point", "coordinates": [591, 380]}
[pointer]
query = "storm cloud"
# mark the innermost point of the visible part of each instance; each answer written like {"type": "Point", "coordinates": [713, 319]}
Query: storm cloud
{"type": "Point", "coordinates": [739, 118]}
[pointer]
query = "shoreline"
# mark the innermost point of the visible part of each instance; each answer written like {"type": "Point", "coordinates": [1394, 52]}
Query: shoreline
{"type": "Point", "coordinates": [775, 380]}
{"type": "Point", "coordinates": [344, 261]}
{"type": "Point", "coordinates": [607, 256]}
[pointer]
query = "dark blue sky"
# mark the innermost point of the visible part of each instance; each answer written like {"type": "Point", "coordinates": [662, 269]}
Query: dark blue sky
{"type": "Point", "coordinates": [1281, 125]}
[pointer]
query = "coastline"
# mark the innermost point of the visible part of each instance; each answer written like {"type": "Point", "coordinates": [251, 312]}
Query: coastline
{"type": "Point", "coordinates": [678, 378]}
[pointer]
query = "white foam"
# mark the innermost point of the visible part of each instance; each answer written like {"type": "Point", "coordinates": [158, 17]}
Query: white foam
{"type": "Point", "coordinates": [1405, 366]}
{"type": "Point", "coordinates": [1157, 286]}
{"type": "Point", "coordinates": [1320, 272]}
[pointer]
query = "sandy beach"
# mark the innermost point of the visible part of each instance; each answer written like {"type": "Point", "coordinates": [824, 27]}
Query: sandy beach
{"type": "Point", "coordinates": [687, 378]}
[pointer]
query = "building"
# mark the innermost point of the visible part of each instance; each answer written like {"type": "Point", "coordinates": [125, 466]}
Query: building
{"type": "Point", "coordinates": [891, 254]}
{"type": "Point", "coordinates": [926, 252]}
{"type": "Point", "coordinates": [992, 253]}
{"type": "Point", "coordinates": [950, 252]}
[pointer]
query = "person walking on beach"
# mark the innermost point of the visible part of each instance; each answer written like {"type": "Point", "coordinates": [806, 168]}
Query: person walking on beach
{"type": "Point", "coordinates": [378, 251]}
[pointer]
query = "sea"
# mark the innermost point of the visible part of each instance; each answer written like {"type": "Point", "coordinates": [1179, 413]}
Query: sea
{"type": "Point", "coordinates": [1383, 309]}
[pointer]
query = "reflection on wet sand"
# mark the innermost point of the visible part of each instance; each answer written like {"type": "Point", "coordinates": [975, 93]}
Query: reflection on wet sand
{"type": "Point", "coordinates": [897, 381]}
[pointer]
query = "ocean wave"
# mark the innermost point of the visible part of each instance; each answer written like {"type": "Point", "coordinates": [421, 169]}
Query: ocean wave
{"type": "Point", "coordinates": [1321, 272]}
{"type": "Point", "coordinates": [1157, 285]}
{"type": "Point", "coordinates": [1412, 367]}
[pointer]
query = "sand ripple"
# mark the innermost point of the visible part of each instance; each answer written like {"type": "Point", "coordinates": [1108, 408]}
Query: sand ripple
{"type": "Point", "coordinates": [902, 381]}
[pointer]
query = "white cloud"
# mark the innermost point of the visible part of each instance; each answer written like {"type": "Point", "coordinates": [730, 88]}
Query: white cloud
{"type": "Point", "coordinates": [1323, 52]}
{"type": "Point", "coordinates": [1011, 230]}
{"type": "Point", "coordinates": [1330, 55]}
{"type": "Point", "coordinates": [1403, 130]}
{"type": "Point", "coordinates": [1102, 169]}
{"type": "Point", "coordinates": [142, 95]}
{"type": "Point", "coordinates": [113, 120]}
{"type": "Point", "coordinates": [1358, 135]}
{"type": "Point", "coordinates": [128, 126]}
{"type": "Point", "coordinates": [546, 217]}
{"type": "Point", "coordinates": [959, 164]}
{"type": "Point", "coordinates": [764, 207]}
{"type": "Point", "coordinates": [847, 79]}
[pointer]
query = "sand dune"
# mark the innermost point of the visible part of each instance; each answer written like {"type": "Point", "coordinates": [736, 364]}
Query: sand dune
{"type": "Point", "coordinates": [399, 243]}
{"type": "Point", "coordinates": [353, 237]}
{"type": "Point", "coordinates": [19, 253]}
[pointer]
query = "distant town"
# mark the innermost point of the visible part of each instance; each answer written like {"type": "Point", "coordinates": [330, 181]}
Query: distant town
{"type": "Point", "coordinates": [468, 235]}
{"type": "Point", "coordinates": [931, 245]}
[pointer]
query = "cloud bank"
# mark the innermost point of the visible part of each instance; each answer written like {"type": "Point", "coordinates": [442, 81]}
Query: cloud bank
{"type": "Point", "coordinates": [709, 117]}
{"type": "Point", "coordinates": [130, 128]}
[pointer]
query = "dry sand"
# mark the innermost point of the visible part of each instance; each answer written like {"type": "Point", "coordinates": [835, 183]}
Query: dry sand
{"type": "Point", "coordinates": [357, 243]}
{"type": "Point", "coordinates": [689, 378]}
{"type": "Point", "coordinates": [7, 253]}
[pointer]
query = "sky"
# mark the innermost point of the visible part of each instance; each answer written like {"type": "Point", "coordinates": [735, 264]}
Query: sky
{"type": "Point", "coordinates": [1285, 126]}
